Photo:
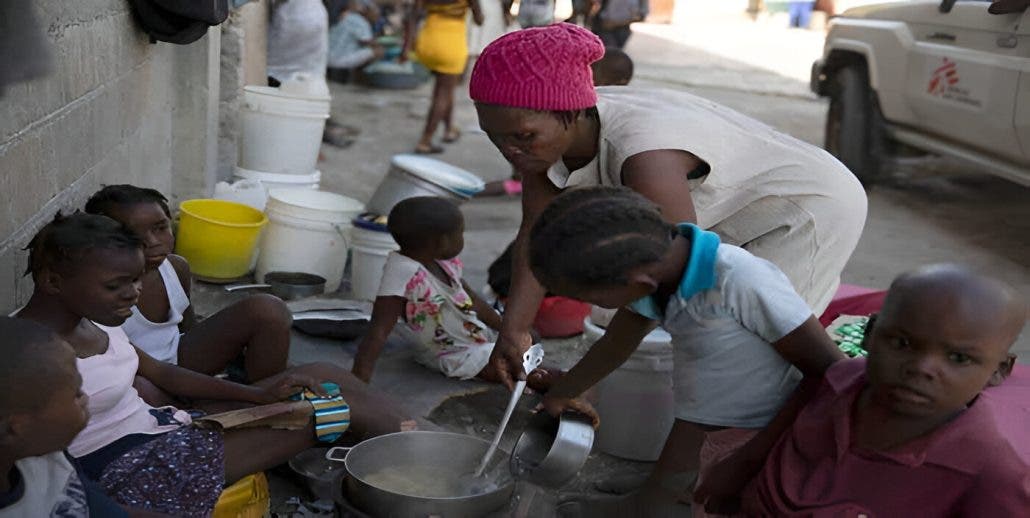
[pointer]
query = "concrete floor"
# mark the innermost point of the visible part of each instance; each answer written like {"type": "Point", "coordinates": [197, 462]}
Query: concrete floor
{"type": "Point", "coordinates": [931, 210]}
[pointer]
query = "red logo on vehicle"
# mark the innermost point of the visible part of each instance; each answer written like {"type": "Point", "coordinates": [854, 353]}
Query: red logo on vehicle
{"type": "Point", "coordinates": [945, 76]}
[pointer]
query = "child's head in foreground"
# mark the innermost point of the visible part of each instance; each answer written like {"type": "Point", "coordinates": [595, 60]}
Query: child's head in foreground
{"type": "Point", "coordinates": [427, 226]}
{"type": "Point", "coordinates": [615, 68]}
{"type": "Point", "coordinates": [92, 264]}
{"type": "Point", "coordinates": [41, 405]}
{"type": "Point", "coordinates": [942, 336]}
{"type": "Point", "coordinates": [144, 212]}
{"type": "Point", "coordinates": [598, 245]}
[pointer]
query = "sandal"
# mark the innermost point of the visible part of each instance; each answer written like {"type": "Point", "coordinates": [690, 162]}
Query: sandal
{"type": "Point", "coordinates": [452, 135]}
{"type": "Point", "coordinates": [336, 136]}
{"type": "Point", "coordinates": [428, 149]}
{"type": "Point", "coordinates": [343, 129]}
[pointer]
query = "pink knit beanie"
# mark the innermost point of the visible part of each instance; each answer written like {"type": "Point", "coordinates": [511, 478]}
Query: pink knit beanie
{"type": "Point", "coordinates": [543, 68]}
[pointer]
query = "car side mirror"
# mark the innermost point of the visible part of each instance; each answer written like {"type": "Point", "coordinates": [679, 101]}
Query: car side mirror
{"type": "Point", "coordinates": [946, 6]}
{"type": "Point", "coordinates": [1008, 6]}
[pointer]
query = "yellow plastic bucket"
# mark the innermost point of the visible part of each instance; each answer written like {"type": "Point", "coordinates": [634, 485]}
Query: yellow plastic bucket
{"type": "Point", "coordinates": [219, 238]}
{"type": "Point", "coordinates": [247, 498]}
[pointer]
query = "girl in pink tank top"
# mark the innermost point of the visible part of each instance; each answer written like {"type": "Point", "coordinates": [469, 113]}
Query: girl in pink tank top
{"type": "Point", "coordinates": [87, 270]}
{"type": "Point", "coordinates": [162, 321]}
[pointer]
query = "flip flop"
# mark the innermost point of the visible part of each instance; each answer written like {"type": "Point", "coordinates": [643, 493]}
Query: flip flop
{"type": "Point", "coordinates": [430, 149]}
{"type": "Point", "coordinates": [342, 129]}
{"type": "Point", "coordinates": [452, 136]}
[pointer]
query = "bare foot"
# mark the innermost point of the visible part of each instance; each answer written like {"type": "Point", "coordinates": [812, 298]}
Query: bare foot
{"type": "Point", "coordinates": [502, 188]}
{"type": "Point", "coordinates": [623, 484]}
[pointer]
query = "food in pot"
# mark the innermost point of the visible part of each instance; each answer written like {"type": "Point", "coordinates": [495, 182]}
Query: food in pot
{"type": "Point", "coordinates": [431, 481]}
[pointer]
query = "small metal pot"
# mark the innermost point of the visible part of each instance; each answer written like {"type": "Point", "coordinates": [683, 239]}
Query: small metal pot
{"type": "Point", "coordinates": [287, 285]}
{"type": "Point", "coordinates": [550, 452]}
{"type": "Point", "coordinates": [319, 473]}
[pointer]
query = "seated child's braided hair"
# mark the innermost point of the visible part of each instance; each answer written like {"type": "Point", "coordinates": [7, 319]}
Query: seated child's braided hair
{"type": "Point", "coordinates": [67, 238]}
{"type": "Point", "coordinates": [596, 235]}
{"type": "Point", "coordinates": [104, 200]}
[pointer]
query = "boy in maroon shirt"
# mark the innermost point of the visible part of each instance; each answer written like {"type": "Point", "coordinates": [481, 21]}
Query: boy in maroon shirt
{"type": "Point", "coordinates": [909, 431]}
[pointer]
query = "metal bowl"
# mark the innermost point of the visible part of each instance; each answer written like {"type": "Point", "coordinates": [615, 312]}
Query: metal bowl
{"type": "Point", "coordinates": [551, 451]}
{"type": "Point", "coordinates": [320, 473]}
{"type": "Point", "coordinates": [287, 285]}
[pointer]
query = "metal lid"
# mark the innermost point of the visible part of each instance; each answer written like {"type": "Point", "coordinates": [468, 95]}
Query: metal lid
{"type": "Point", "coordinates": [440, 173]}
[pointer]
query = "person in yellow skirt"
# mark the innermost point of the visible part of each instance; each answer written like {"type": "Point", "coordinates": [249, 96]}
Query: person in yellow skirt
{"type": "Point", "coordinates": [441, 45]}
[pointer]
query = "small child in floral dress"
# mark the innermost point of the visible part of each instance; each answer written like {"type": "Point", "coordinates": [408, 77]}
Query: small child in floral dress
{"type": "Point", "coordinates": [454, 327]}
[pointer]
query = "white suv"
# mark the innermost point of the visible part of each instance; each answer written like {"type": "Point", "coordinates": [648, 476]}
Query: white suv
{"type": "Point", "coordinates": [947, 77]}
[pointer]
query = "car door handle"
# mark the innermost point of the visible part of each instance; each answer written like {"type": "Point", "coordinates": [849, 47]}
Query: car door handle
{"type": "Point", "coordinates": [941, 36]}
{"type": "Point", "coordinates": [1007, 41]}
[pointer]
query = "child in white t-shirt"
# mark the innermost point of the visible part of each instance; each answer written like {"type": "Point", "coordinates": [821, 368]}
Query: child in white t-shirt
{"type": "Point", "coordinates": [42, 408]}
{"type": "Point", "coordinates": [454, 328]}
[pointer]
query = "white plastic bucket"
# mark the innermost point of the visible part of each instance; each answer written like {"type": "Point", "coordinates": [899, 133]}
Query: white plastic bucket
{"type": "Point", "coordinates": [271, 181]}
{"type": "Point", "coordinates": [369, 249]}
{"type": "Point", "coordinates": [273, 99]}
{"type": "Point", "coordinates": [303, 84]}
{"type": "Point", "coordinates": [281, 133]}
{"type": "Point", "coordinates": [307, 232]}
{"type": "Point", "coordinates": [636, 401]}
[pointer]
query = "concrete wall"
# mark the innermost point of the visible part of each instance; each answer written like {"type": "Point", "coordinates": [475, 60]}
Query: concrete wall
{"type": "Point", "coordinates": [243, 57]}
{"type": "Point", "coordinates": [114, 109]}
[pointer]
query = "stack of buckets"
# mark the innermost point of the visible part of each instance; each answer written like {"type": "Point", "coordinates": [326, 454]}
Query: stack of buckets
{"type": "Point", "coordinates": [311, 231]}
{"type": "Point", "coordinates": [281, 134]}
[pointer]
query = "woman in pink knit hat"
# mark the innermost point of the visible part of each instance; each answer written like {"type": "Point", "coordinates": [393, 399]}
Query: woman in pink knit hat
{"type": "Point", "coordinates": [780, 198]}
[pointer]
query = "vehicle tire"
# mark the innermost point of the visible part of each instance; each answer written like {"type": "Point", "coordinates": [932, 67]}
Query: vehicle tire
{"type": "Point", "coordinates": [854, 125]}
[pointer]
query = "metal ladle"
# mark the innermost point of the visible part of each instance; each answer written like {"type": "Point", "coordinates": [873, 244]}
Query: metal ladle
{"type": "Point", "coordinates": [531, 359]}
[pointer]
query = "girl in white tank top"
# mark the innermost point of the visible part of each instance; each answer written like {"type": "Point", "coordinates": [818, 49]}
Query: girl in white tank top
{"type": "Point", "coordinates": [162, 323]}
{"type": "Point", "coordinates": [161, 339]}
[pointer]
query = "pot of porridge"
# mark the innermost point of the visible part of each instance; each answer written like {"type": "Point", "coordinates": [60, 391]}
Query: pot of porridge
{"type": "Point", "coordinates": [419, 474]}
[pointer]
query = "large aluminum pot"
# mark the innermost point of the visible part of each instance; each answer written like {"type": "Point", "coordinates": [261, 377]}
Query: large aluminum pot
{"type": "Point", "coordinates": [412, 175]}
{"type": "Point", "coordinates": [454, 452]}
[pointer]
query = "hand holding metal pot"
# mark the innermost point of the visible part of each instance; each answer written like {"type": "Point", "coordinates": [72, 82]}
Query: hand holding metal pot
{"type": "Point", "coordinates": [550, 452]}
{"type": "Point", "coordinates": [556, 406]}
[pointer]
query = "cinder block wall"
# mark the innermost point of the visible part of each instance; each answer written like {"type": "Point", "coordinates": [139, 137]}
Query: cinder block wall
{"type": "Point", "coordinates": [244, 49]}
{"type": "Point", "coordinates": [114, 109]}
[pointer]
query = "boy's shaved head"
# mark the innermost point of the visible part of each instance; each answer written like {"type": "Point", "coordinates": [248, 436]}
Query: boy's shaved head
{"type": "Point", "coordinates": [973, 299]}
{"type": "Point", "coordinates": [33, 360]}
{"type": "Point", "coordinates": [942, 336]}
